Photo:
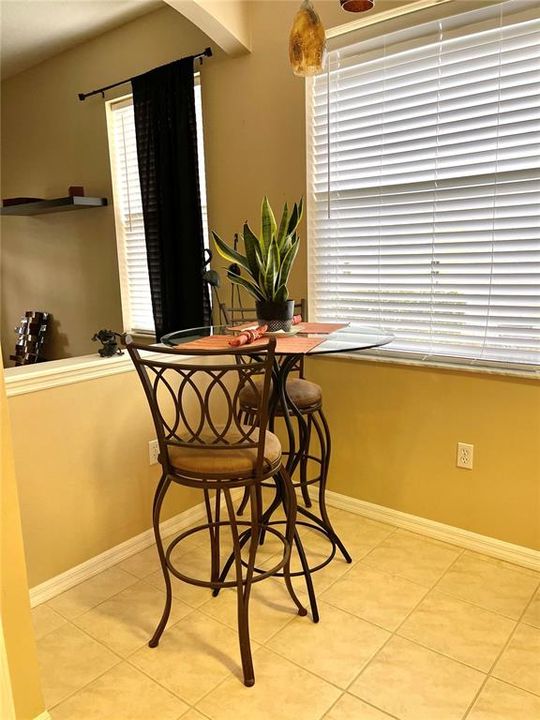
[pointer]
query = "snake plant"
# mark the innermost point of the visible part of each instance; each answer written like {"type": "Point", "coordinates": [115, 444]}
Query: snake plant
{"type": "Point", "coordinates": [268, 259]}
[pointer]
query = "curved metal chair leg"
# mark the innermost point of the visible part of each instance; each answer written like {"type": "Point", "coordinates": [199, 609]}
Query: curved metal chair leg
{"type": "Point", "coordinates": [307, 574]}
{"type": "Point", "coordinates": [276, 502]}
{"type": "Point", "coordinates": [161, 490]}
{"type": "Point", "coordinates": [244, 502]}
{"type": "Point", "coordinates": [214, 532]}
{"type": "Point", "coordinates": [289, 502]}
{"type": "Point", "coordinates": [247, 418]}
{"type": "Point", "coordinates": [325, 442]}
{"type": "Point", "coordinates": [243, 588]}
{"type": "Point", "coordinates": [304, 465]}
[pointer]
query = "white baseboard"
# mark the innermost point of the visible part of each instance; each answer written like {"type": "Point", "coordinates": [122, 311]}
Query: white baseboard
{"type": "Point", "coordinates": [517, 554]}
{"type": "Point", "coordinates": [66, 580]}
{"type": "Point", "coordinates": [499, 549]}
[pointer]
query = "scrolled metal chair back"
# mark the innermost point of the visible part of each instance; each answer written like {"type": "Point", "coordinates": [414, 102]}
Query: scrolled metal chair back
{"type": "Point", "coordinates": [194, 400]}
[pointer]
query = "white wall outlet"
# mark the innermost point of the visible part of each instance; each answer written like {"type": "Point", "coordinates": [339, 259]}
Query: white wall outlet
{"type": "Point", "coordinates": [465, 455]}
{"type": "Point", "coordinates": [153, 452]}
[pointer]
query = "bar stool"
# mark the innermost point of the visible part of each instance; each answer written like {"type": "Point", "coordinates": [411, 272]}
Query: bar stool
{"type": "Point", "coordinates": [305, 395]}
{"type": "Point", "coordinates": [204, 443]}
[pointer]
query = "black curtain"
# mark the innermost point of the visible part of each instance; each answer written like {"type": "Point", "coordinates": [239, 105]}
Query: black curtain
{"type": "Point", "coordinates": [166, 130]}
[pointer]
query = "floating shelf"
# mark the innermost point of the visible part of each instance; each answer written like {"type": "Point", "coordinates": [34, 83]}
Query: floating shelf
{"type": "Point", "coordinates": [77, 202]}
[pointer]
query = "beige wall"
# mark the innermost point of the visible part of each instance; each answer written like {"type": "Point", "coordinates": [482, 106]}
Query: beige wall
{"type": "Point", "coordinates": [227, 22]}
{"type": "Point", "coordinates": [66, 263]}
{"type": "Point", "coordinates": [85, 484]}
{"type": "Point", "coordinates": [395, 431]}
{"type": "Point", "coordinates": [19, 649]}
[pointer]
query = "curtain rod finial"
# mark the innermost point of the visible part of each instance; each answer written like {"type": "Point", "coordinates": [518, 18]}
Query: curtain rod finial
{"type": "Point", "coordinates": [82, 96]}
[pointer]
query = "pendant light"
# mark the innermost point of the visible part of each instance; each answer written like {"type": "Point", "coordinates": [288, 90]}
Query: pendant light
{"type": "Point", "coordinates": [307, 42]}
{"type": "Point", "coordinates": [357, 5]}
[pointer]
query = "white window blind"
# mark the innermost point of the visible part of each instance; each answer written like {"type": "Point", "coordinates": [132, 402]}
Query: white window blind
{"type": "Point", "coordinates": [133, 267]}
{"type": "Point", "coordinates": [424, 187]}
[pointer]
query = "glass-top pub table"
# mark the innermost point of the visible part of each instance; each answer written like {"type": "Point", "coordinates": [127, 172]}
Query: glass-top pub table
{"type": "Point", "coordinates": [290, 352]}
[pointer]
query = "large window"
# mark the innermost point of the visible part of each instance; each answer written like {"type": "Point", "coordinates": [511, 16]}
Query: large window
{"type": "Point", "coordinates": [424, 182]}
{"type": "Point", "coordinates": [133, 267]}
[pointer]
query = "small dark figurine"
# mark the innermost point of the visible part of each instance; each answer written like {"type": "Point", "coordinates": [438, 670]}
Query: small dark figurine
{"type": "Point", "coordinates": [110, 345]}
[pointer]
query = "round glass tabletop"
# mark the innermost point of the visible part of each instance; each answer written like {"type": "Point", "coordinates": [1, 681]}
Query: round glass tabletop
{"type": "Point", "coordinates": [348, 339]}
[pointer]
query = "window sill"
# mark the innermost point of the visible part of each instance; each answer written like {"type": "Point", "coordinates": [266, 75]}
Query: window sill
{"type": "Point", "coordinates": [432, 364]}
{"type": "Point", "coordinates": [55, 373]}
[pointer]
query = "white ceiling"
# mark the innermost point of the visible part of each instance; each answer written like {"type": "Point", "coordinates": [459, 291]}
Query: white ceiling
{"type": "Point", "coordinates": [34, 30]}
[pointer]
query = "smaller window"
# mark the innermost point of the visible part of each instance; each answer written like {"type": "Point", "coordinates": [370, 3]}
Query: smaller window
{"type": "Point", "coordinates": [130, 238]}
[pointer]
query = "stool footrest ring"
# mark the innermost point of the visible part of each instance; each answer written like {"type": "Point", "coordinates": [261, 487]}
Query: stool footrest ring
{"type": "Point", "coordinates": [298, 573]}
{"type": "Point", "coordinates": [261, 574]}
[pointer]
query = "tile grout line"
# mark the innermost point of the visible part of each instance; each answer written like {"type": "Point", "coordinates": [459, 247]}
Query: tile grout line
{"type": "Point", "coordinates": [121, 658]}
{"type": "Point", "coordinates": [499, 655]}
{"type": "Point", "coordinates": [394, 632]}
{"type": "Point", "coordinates": [354, 697]}
{"type": "Point", "coordinates": [470, 602]}
{"type": "Point", "coordinates": [102, 602]}
{"type": "Point", "coordinates": [83, 687]}
{"type": "Point", "coordinates": [438, 652]}
{"type": "Point", "coordinates": [516, 687]}
{"type": "Point", "coordinates": [271, 650]}
{"type": "Point", "coordinates": [90, 637]}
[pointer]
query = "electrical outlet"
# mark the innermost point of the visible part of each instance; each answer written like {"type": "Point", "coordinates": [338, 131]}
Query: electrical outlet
{"type": "Point", "coordinates": [465, 455]}
{"type": "Point", "coordinates": [153, 452]}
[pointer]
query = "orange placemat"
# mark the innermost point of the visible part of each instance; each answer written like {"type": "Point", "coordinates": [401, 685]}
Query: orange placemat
{"type": "Point", "coordinates": [320, 328]}
{"type": "Point", "coordinates": [243, 326]}
{"type": "Point", "coordinates": [209, 342]}
{"type": "Point", "coordinates": [295, 345]}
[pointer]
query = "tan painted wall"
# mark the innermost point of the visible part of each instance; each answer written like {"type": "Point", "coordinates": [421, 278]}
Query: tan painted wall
{"type": "Point", "coordinates": [86, 484]}
{"type": "Point", "coordinates": [395, 431]}
{"type": "Point", "coordinates": [233, 14]}
{"type": "Point", "coordinates": [227, 22]}
{"type": "Point", "coordinates": [18, 634]}
{"type": "Point", "coordinates": [66, 263]}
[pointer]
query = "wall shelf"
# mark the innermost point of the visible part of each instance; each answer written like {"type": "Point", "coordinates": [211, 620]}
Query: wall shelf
{"type": "Point", "coordinates": [40, 207]}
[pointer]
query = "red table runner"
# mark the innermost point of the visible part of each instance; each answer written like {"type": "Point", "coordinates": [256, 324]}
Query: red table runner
{"type": "Point", "coordinates": [293, 345]}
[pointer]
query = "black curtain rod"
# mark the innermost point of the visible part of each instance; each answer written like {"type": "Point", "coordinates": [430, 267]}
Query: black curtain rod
{"type": "Point", "coordinates": [207, 52]}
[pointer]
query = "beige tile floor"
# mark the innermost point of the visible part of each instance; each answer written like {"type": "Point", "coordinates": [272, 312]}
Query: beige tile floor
{"type": "Point", "coordinates": [414, 629]}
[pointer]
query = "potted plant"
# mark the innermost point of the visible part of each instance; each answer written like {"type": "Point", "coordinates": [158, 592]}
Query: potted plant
{"type": "Point", "coordinates": [267, 263]}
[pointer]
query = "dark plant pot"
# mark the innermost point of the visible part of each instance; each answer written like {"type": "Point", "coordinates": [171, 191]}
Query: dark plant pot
{"type": "Point", "coordinates": [277, 315]}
